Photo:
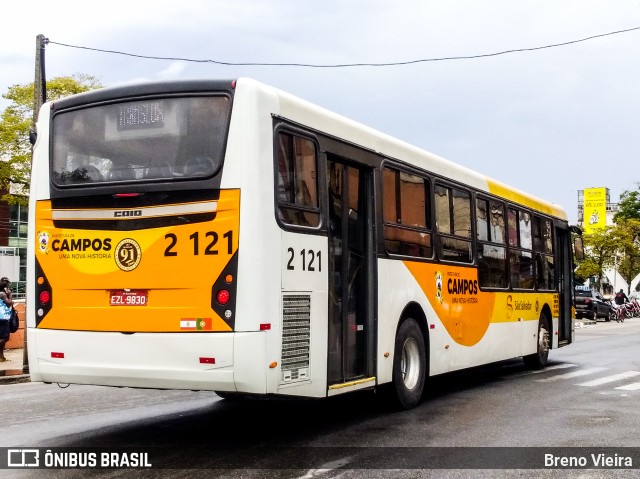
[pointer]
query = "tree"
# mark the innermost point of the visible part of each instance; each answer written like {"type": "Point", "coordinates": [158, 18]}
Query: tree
{"type": "Point", "coordinates": [627, 233]}
{"type": "Point", "coordinates": [15, 123]}
{"type": "Point", "coordinates": [628, 206]}
{"type": "Point", "coordinates": [627, 219]}
{"type": "Point", "coordinates": [599, 248]}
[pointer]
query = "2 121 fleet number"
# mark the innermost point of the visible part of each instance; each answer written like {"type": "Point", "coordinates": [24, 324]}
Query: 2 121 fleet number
{"type": "Point", "coordinates": [311, 260]}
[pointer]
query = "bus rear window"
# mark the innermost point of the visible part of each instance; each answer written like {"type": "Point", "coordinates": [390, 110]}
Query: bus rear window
{"type": "Point", "coordinates": [150, 140]}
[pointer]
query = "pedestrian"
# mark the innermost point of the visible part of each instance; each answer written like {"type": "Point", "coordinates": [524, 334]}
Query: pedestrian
{"type": "Point", "coordinates": [621, 298]}
{"type": "Point", "coordinates": [6, 305]}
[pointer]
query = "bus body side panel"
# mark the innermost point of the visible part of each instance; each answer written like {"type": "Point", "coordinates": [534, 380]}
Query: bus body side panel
{"type": "Point", "coordinates": [39, 190]}
{"type": "Point", "coordinates": [249, 166]}
{"type": "Point", "coordinates": [396, 289]}
{"type": "Point", "coordinates": [304, 270]}
{"type": "Point", "coordinates": [264, 266]}
{"type": "Point", "coordinates": [555, 340]}
{"type": "Point", "coordinates": [467, 327]}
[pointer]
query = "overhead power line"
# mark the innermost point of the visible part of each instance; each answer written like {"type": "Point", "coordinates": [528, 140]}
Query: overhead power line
{"type": "Point", "coordinates": [346, 65]}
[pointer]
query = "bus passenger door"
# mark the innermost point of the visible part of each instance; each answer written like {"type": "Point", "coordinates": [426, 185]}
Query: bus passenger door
{"type": "Point", "coordinates": [565, 283]}
{"type": "Point", "coordinates": [351, 271]}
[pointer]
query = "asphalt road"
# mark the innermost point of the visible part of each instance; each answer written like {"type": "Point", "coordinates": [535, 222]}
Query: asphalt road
{"type": "Point", "coordinates": [587, 398]}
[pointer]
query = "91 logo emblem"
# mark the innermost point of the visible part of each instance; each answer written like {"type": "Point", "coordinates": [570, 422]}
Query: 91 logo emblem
{"type": "Point", "coordinates": [128, 254]}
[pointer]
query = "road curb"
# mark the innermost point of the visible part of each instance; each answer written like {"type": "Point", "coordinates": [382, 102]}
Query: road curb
{"type": "Point", "coordinates": [15, 379]}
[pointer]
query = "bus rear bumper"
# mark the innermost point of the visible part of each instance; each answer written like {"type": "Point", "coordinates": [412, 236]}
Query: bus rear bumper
{"type": "Point", "coordinates": [196, 361]}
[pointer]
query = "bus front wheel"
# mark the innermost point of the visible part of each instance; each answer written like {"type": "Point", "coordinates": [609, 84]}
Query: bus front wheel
{"type": "Point", "coordinates": [409, 364]}
{"type": "Point", "coordinates": [538, 360]}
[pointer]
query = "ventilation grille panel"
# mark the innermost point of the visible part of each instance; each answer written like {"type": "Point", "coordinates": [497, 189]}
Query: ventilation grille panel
{"type": "Point", "coordinates": [296, 337]}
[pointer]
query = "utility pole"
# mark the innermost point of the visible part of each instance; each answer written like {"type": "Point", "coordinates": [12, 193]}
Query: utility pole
{"type": "Point", "coordinates": [40, 81]}
{"type": "Point", "coordinates": [39, 97]}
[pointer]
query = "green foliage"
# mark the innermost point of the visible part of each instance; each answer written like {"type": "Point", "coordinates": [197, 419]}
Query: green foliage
{"type": "Point", "coordinates": [627, 233]}
{"type": "Point", "coordinates": [15, 123]}
{"type": "Point", "coordinates": [628, 206]}
{"type": "Point", "coordinates": [599, 248]}
{"type": "Point", "coordinates": [616, 247]}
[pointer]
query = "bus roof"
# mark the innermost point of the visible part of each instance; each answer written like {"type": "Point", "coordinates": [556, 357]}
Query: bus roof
{"type": "Point", "coordinates": [313, 116]}
{"type": "Point", "coordinates": [331, 123]}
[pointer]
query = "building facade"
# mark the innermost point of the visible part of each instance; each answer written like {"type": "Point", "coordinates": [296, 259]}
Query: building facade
{"type": "Point", "coordinates": [13, 240]}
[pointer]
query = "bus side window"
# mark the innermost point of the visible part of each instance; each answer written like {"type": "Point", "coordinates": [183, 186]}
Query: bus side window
{"type": "Point", "coordinates": [297, 181]}
{"type": "Point", "coordinates": [520, 249]}
{"type": "Point", "coordinates": [453, 220]}
{"type": "Point", "coordinates": [543, 248]}
{"type": "Point", "coordinates": [407, 223]}
{"type": "Point", "coordinates": [492, 252]}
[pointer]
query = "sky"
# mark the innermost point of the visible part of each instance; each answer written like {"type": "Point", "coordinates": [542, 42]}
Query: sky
{"type": "Point", "coordinates": [549, 122]}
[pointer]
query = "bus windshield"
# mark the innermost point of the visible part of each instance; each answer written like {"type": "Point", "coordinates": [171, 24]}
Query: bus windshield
{"type": "Point", "coordinates": [148, 140]}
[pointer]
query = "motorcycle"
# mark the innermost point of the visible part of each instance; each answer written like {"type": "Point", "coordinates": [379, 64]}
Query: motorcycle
{"type": "Point", "coordinates": [623, 311]}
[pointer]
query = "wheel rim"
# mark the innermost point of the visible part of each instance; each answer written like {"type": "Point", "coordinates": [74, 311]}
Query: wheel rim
{"type": "Point", "coordinates": [543, 342]}
{"type": "Point", "coordinates": [410, 363]}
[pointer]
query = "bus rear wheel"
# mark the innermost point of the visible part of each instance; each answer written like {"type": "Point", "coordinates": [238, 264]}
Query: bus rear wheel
{"type": "Point", "coordinates": [538, 360]}
{"type": "Point", "coordinates": [409, 364]}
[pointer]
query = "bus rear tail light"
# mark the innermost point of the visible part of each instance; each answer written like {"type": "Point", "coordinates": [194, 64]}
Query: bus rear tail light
{"type": "Point", "coordinates": [57, 355]}
{"type": "Point", "coordinates": [223, 292]}
{"type": "Point", "coordinates": [43, 294]}
{"type": "Point", "coordinates": [223, 297]}
{"type": "Point", "coordinates": [45, 297]}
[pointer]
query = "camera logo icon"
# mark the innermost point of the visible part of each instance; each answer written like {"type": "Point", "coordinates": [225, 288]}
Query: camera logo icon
{"type": "Point", "coordinates": [23, 458]}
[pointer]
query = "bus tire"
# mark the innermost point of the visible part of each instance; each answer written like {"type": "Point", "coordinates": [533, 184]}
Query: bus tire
{"type": "Point", "coordinates": [538, 360]}
{"type": "Point", "coordinates": [409, 364]}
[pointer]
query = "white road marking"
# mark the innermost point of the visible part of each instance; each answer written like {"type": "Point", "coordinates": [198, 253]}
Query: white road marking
{"type": "Point", "coordinates": [574, 374]}
{"type": "Point", "coordinates": [554, 367]}
{"type": "Point", "coordinates": [630, 387]}
{"type": "Point", "coordinates": [610, 379]}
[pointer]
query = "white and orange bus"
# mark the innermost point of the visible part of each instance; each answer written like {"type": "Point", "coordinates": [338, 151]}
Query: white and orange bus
{"type": "Point", "coordinates": [228, 236]}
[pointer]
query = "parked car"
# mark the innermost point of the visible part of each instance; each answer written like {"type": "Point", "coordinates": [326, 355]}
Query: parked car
{"type": "Point", "coordinates": [592, 305]}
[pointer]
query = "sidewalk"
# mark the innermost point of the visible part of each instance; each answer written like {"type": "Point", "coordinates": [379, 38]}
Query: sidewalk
{"type": "Point", "coordinates": [583, 323]}
{"type": "Point", "coordinates": [11, 370]}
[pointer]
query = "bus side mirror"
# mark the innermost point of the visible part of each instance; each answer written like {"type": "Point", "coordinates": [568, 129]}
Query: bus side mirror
{"type": "Point", "coordinates": [578, 248]}
{"type": "Point", "coordinates": [33, 136]}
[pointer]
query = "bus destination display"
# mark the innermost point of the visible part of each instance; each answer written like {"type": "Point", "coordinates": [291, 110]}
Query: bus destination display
{"type": "Point", "coordinates": [140, 115]}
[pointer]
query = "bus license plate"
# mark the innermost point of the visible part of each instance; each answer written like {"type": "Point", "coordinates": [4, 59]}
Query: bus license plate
{"type": "Point", "coordinates": [131, 297]}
